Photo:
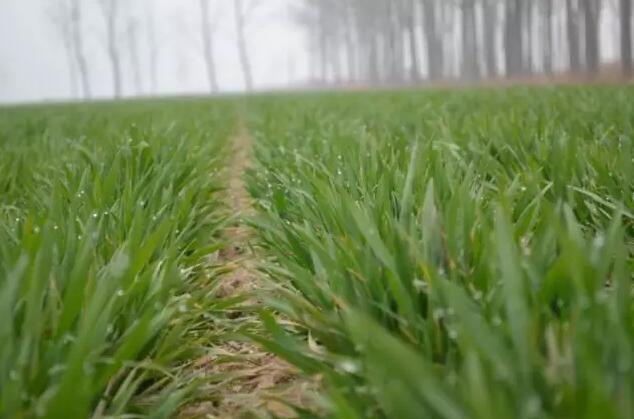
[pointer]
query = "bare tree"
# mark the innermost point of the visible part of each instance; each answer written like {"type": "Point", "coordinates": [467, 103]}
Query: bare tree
{"type": "Point", "coordinates": [133, 49]}
{"type": "Point", "coordinates": [72, 21]}
{"type": "Point", "coordinates": [110, 10]}
{"type": "Point", "coordinates": [459, 37]}
{"type": "Point", "coordinates": [60, 15]}
{"type": "Point", "coordinates": [546, 12]}
{"type": "Point", "coordinates": [527, 23]}
{"type": "Point", "coordinates": [513, 48]}
{"type": "Point", "coordinates": [409, 13]}
{"type": "Point", "coordinates": [152, 49]}
{"type": "Point", "coordinates": [349, 39]}
{"type": "Point", "coordinates": [78, 42]}
{"type": "Point", "coordinates": [433, 37]}
{"type": "Point", "coordinates": [208, 51]}
{"type": "Point", "coordinates": [592, 11]}
{"type": "Point", "coordinates": [470, 68]}
{"type": "Point", "coordinates": [241, 15]}
{"type": "Point", "coordinates": [572, 21]}
{"type": "Point", "coordinates": [323, 43]}
{"type": "Point", "coordinates": [490, 22]}
{"type": "Point", "coordinates": [625, 15]}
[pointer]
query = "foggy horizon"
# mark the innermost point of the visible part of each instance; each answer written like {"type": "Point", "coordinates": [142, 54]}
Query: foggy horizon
{"type": "Point", "coordinates": [33, 66]}
{"type": "Point", "coordinates": [290, 44]}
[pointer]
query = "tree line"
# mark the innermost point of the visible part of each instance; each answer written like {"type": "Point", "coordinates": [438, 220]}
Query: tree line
{"type": "Point", "coordinates": [367, 41]}
{"type": "Point", "coordinates": [131, 37]}
{"type": "Point", "coordinates": [377, 41]}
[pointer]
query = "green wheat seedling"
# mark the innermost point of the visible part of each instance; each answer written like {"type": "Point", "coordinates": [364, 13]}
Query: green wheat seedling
{"type": "Point", "coordinates": [108, 215]}
{"type": "Point", "coordinates": [452, 254]}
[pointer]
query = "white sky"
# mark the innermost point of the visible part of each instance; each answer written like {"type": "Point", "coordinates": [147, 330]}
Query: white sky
{"type": "Point", "coordinates": [33, 65]}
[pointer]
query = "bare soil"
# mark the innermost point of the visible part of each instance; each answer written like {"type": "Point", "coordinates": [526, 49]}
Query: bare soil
{"type": "Point", "coordinates": [260, 384]}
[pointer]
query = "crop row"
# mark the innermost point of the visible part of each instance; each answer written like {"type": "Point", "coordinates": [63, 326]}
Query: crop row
{"type": "Point", "coordinates": [452, 254]}
{"type": "Point", "coordinates": [108, 214]}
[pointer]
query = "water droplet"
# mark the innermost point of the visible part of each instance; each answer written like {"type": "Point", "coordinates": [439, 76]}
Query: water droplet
{"type": "Point", "coordinates": [89, 369]}
{"type": "Point", "coordinates": [598, 242]}
{"type": "Point", "coordinates": [119, 264]}
{"type": "Point", "coordinates": [120, 292]}
{"type": "Point", "coordinates": [55, 227]}
{"type": "Point", "coordinates": [420, 285]}
{"type": "Point", "coordinates": [349, 366]}
{"type": "Point", "coordinates": [453, 334]}
{"type": "Point", "coordinates": [438, 314]}
{"type": "Point", "coordinates": [36, 230]}
{"type": "Point", "coordinates": [533, 406]}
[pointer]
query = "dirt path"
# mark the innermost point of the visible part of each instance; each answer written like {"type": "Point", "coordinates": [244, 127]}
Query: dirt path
{"type": "Point", "coordinates": [258, 381]}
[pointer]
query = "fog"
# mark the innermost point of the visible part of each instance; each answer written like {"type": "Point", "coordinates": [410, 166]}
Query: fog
{"type": "Point", "coordinates": [34, 67]}
{"type": "Point", "coordinates": [87, 49]}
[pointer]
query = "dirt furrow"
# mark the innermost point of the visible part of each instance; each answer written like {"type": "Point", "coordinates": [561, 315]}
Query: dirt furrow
{"type": "Point", "coordinates": [257, 381]}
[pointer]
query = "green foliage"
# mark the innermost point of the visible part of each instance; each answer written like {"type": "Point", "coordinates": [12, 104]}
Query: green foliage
{"type": "Point", "coordinates": [108, 214]}
{"type": "Point", "coordinates": [453, 254]}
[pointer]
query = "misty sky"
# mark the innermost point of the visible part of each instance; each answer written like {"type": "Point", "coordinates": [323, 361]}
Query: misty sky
{"type": "Point", "coordinates": [33, 63]}
{"type": "Point", "coordinates": [34, 67]}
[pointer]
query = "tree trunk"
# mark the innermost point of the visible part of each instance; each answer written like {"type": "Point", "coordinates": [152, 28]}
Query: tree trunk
{"type": "Point", "coordinates": [350, 50]}
{"type": "Point", "coordinates": [394, 32]}
{"type": "Point", "coordinates": [153, 52]}
{"type": "Point", "coordinates": [111, 13]}
{"type": "Point", "coordinates": [490, 27]}
{"type": "Point", "coordinates": [390, 52]}
{"type": "Point", "coordinates": [133, 46]}
{"type": "Point", "coordinates": [625, 15]}
{"type": "Point", "coordinates": [323, 47]}
{"type": "Point", "coordinates": [527, 24]}
{"type": "Point", "coordinates": [572, 20]}
{"type": "Point", "coordinates": [547, 13]}
{"type": "Point", "coordinates": [591, 13]}
{"type": "Point", "coordinates": [335, 62]}
{"type": "Point", "coordinates": [409, 15]}
{"type": "Point", "coordinates": [208, 53]}
{"type": "Point", "coordinates": [435, 56]}
{"type": "Point", "coordinates": [374, 59]}
{"type": "Point", "coordinates": [513, 37]}
{"type": "Point", "coordinates": [242, 46]}
{"type": "Point", "coordinates": [70, 60]}
{"type": "Point", "coordinates": [78, 49]}
{"type": "Point", "coordinates": [469, 41]}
